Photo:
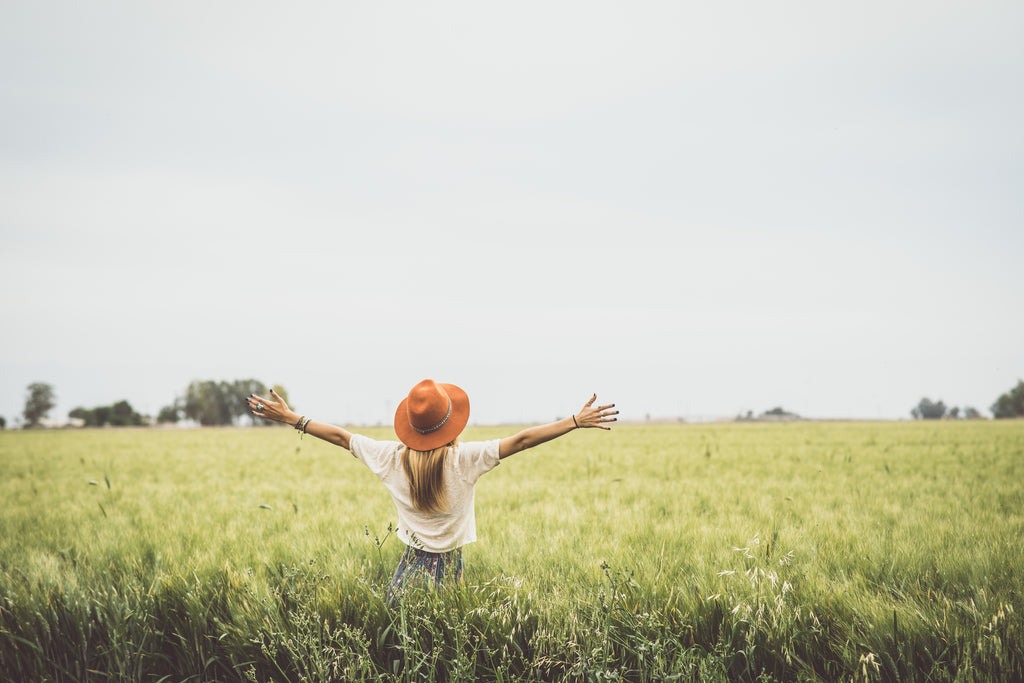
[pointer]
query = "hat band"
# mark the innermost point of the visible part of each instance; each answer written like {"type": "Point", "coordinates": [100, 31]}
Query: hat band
{"type": "Point", "coordinates": [440, 424]}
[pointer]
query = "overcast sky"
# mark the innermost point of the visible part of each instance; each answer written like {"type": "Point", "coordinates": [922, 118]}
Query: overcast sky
{"type": "Point", "coordinates": [693, 209]}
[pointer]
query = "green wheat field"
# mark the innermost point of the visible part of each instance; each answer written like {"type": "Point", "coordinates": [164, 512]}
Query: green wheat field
{"type": "Point", "coordinates": [756, 552]}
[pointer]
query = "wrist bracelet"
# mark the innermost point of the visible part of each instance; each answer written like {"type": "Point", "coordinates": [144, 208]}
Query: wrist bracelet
{"type": "Point", "coordinates": [575, 422]}
{"type": "Point", "coordinates": [301, 424]}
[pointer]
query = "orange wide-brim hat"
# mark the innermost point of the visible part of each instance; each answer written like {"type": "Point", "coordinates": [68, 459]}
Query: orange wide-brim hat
{"type": "Point", "coordinates": [431, 415]}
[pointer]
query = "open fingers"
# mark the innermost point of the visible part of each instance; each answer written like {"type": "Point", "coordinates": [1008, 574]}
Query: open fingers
{"type": "Point", "coordinates": [257, 404]}
{"type": "Point", "coordinates": [598, 416]}
{"type": "Point", "coordinates": [602, 419]}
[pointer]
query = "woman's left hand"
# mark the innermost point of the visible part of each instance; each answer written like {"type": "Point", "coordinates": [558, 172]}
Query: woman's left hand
{"type": "Point", "coordinates": [590, 416]}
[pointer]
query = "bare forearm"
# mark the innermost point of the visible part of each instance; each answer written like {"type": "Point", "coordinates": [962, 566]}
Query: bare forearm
{"type": "Point", "coordinates": [588, 417]}
{"type": "Point", "coordinates": [278, 411]}
{"type": "Point", "coordinates": [321, 430]}
{"type": "Point", "coordinates": [330, 433]}
{"type": "Point", "coordinates": [534, 436]}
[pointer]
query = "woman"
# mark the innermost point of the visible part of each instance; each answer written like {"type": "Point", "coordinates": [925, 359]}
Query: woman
{"type": "Point", "coordinates": [430, 474]}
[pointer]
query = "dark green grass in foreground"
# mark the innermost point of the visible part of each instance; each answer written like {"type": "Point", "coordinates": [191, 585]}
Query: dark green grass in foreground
{"type": "Point", "coordinates": [877, 551]}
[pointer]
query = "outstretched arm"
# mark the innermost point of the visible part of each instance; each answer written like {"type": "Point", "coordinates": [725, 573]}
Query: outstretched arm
{"type": "Point", "coordinates": [277, 410]}
{"type": "Point", "coordinates": [588, 417]}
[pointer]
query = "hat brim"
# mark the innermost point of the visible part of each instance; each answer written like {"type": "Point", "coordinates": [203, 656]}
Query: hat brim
{"type": "Point", "coordinates": [408, 435]}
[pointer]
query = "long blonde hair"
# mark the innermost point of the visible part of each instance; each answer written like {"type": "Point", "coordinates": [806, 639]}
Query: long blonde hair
{"type": "Point", "coordinates": [425, 472]}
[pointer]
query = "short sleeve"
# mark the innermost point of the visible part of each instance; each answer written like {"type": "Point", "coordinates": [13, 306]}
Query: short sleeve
{"type": "Point", "coordinates": [475, 458]}
{"type": "Point", "coordinates": [379, 456]}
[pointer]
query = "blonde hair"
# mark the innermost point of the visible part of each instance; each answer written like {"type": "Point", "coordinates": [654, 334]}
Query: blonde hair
{"type": "Point", "coordinates": [425, 472]}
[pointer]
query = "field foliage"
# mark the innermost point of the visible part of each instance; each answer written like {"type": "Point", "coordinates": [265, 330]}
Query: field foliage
{"type": "Point", "coordinates": [802, 551]}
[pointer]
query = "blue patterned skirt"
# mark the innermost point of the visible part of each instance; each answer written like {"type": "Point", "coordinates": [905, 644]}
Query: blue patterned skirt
{"type": "Point", "coordinates": [421, 568]}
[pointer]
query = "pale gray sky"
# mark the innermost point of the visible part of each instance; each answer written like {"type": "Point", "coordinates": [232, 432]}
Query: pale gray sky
{"type": "Point", "coordinates": [691, 208]}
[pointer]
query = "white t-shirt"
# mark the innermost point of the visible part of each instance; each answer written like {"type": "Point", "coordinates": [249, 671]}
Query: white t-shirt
{"type": "Point", "coordinates": [436, 532]}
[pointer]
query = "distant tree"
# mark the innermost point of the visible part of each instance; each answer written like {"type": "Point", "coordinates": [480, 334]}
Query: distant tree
{"type": "Point", "coordinates": [926, 410]}
{"type": "Point", "coordinates": [3, 422]}
{"type": "Point", "coordinates": [971, 413]}
{"type": "Point", "coordinates": [88, 417]}
{"type": "Point", "coordinates": [219, 403]}
{"type": "Point", "coordinates": [1010, 404]}
{"type": "Point", "coordinates": [169, 414]}
{"type": "Point", "coordinates": [123, 415]}
{"type": "Point", "coordinates": [779, 412]}
{"type": "Point", "coordinates": [120, 414]}
{"type": "Point", "coordinates": [39, 401]}
{"type": "Point", "coordinates": [102, 415]}
{"type": "Point", "coordinates": [954, 413]}
{"type": "Point", "coordinates": [205, 403]}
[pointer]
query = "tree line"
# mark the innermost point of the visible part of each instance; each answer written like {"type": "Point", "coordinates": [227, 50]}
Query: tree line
{"type": "Point", "coordinates": [215, 403]}
{"type": "Point", "coordinates": [207, 402]}
{"type": "Point", "coordinates": [1010, 404]}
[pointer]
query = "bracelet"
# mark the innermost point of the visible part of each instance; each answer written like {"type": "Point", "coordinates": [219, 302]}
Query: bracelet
{"type": "Point", "coordinates": [575, 422]}
{"type": "Point", "coordinates": [306, 423]}
{"type": "Point", "coordinates": [299, 422]}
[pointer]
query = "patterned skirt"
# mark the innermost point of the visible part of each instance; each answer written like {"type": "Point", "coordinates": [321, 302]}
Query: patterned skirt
{"type": "Point", "coordinates": [421, 568]}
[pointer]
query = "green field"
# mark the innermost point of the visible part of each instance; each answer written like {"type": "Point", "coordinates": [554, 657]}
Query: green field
{"type": "Point", "coordinates": [802, 551]}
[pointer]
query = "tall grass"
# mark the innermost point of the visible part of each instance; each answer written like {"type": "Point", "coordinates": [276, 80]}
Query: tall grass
{"type": "Point", "coordinates": [860, 551]}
